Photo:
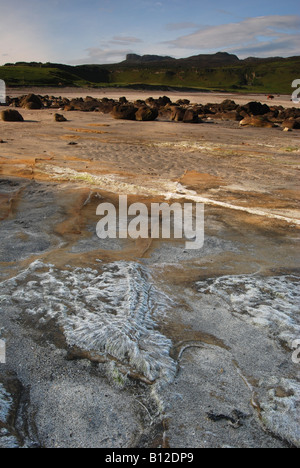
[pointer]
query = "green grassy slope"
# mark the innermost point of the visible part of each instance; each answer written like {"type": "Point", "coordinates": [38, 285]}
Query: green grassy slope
{"type": "Point", "coordinates": [263, 76]}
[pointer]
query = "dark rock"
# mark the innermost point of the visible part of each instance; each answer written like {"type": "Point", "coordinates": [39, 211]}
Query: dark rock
{"type": "Point", "coordinates": [84, 106]}
{"type": "Point", "coordinates": [123, 100]}
{"type": "Point", "coordinates": [146, 114]}
{"type": "Point", "coordinates": [257, 121]}
{"type": "Point", "coordinates": [183, 102]}
{"type": "Point", "coordinates": [228, 105]}
{"type": "Point", "coordinates": [150, 101]}
{"type": "Point", "coordinates": [256, 108]}
{"type": "Point", "coordinates": [190, 116]}
{"type": "Point", "coordinates": [124, 112]}
{"type": "Point", "coordinates": [285, 114]}
{"type": "Point", "coordinates": [163, 101]}
{"type": "Point", "coordinates": [291, 123]}
{"type": "Point", "coordinates": [106, 105]}
{"type": "Point", "coordinates": [11, 115]}
{"type": "Point", "coordinates": [230, 115]}
{"type": "Point", "coordinates": [177, 114]}
{"type": "Point", "coordinates": [139, 103]}
{"type": "Point", "coordinates": [31, 101]}
{"type": "Point", "coordinates": [59, 118]}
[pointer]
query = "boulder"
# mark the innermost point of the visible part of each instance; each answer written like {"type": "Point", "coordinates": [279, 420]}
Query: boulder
{"type": "Point", "coordinates": [183, 102]}
{"type": "Point", "coordinates": [190, 116]}
{"type": "Point", "coordinates": [106, 105]}
{"type": "Point", "coordinates": [163, 101]}
{"type": "Point", "coordinates": [59, 118]}
{"type": "Point", "coordinates": [177, 114]}
{"type": "Point", "coordinates": [228, 105]}
{"type": "Point", "coordinates": [256, 121]}
{"type": "Point", "coordinates": [79, 104]}
{"type": "Point", "coordinates": [31, 106]}
{"type": "Point", "coordinates": [293, 124]}
{"type": "Point", "coordinates": [146, 114]}
{"type": "Point", "coordinates": [256, 108]}
{"type": "Point", "coordinates": [124, 112]}
{"type": "Point", "coordinates": [31, 101]}
{"type": "Point", "coordinates": [149, 101]}
{"type": "Point", "coordinates": [139, 103]}
{"type": "Point", "coordinates": [11, 115]}
{"type": "Point", "coordinates": [230, 115]}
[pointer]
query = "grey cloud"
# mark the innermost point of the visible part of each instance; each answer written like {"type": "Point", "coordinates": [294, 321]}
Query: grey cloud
{"type": "Point", "coordinates": [180, 26]}
{"type": "Point", "coordinates": [98, 55]}
{"type": "Point", "coordinates": [242, 35]}
{"type": "Point", "coordinates": [278, 48]}
{"type": "Point", "coordinates": [125, 40]}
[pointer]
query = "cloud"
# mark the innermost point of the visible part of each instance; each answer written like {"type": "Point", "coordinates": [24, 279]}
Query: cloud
{"type": "Point", "coordinates": [180, 26]}
{"type": "Point", "coordinates": [125, 40]}
{"type": "Point", "coordinates": [272, 33]}
{"type": "Point", "coordinates": [278, 48]}
{"type": "Point", "coordinates": [100, 55]}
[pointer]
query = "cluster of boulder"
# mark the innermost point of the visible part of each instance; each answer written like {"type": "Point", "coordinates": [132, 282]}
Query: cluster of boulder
{"type": "Point", "coordinates": [252, 114]}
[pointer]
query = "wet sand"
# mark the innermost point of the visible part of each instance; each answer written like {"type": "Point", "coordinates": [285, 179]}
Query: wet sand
{"type": "Point", "coordinates": [125, 343]}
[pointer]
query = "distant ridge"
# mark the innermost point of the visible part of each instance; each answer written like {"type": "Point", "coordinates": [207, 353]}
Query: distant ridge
{"type": "Point", "coordinates": [134, 58]}
{"type": "Point", "coordinates": [220, 58]}
{"type": "Point", "coordinates": [206, 72]}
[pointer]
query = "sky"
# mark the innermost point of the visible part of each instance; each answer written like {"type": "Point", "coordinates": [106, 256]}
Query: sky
{"type": "Point", "coordinates": [104, 31]}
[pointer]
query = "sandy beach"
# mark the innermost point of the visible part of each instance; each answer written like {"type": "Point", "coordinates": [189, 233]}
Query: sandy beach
{"type": "Point", "coordinates": [146, 324]}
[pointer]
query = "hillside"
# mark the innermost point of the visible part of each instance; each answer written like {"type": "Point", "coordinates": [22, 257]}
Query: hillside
{"type": "Point", "coordinates": [219, 71]}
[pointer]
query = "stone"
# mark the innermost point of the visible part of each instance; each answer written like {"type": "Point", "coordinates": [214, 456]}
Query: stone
{"type": "Point", "coordinates": [124, 112]}
{"type": "Point", "coordinates": [291, 123]}
{"type": "Point", "coordinates": [230, 115]}
{"type": "Point", "coordinates": [256, 121]}
{"type": "Point", "coordinates": [228, 105]}
{"type": "Point", "coordinates": [190, 116]}
{"type": "Point", "coordinates": [31, 101]}
{"type": "Point", "coordinates": [11, 115]}
{"type": "Point", "coordinates": [177, 114]}
{"type": "Point", "coordinates": [256, 108]}
{"type": "Point", "coordinates": [59, 118]}
{"type": "Point", "coordinates": [146, 114]}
